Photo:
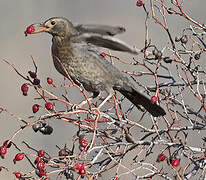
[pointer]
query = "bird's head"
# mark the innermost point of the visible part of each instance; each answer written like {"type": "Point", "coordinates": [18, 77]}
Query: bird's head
{"type": "Point", "coordinates": [56, 26]}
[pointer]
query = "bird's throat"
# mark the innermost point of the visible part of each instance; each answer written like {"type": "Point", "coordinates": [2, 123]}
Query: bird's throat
{"type": "Point", "coordinates": [61, 48]}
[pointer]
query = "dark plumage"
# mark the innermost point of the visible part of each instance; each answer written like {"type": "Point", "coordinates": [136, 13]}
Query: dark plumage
{"type": "Point", "coordinates": [74, 46]}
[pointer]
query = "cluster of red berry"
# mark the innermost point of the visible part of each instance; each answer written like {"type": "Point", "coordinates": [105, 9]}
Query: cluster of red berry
{"type": "Point", "coordinates": [40, 164]}
{"type": "Point", "coordinates": [3, 148]}
{"type": "Point", "coordinates": [175, 162]}
{"type": "Point", "coordinates": [18, 157]}
{"type": "Point", "coordinates": [47, 129]}
{"type": "Point", "coordinates": [80, 168]}
{"type": "Point", "coordinates": [42, 127]}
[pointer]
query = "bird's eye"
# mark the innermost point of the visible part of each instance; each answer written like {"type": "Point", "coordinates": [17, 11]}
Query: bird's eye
{"type": "Point", "coordinates": [53, 22]}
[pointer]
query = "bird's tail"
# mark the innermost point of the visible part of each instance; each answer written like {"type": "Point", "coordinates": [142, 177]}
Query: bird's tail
{"type": "Point", "coordinates": [139, 99]}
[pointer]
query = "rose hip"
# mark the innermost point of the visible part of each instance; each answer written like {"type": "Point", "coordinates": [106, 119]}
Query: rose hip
{"type": "Point", "coordinates": [3, 150]}
{"type": "Point", "coordinates": [18, 175]}
{"type": "Point", "coordinates": [35, 108]}
{"type": "Point", "coordinates": [154, 99]}
{"type": "Point", "coordinates": [18, 157]}
{"type": "Point", "coordinates": [41, 153]}
{"type": "Point", "coordinates": [49, 106]}
{"type": "Point", "coordinates": [49, 80]}
{"type": "Point", "coordinates": [24, 89]}
{"type": "Point", "coordinates": [30, 29]}
{"type": "Point", "coordinates": [83, 143]}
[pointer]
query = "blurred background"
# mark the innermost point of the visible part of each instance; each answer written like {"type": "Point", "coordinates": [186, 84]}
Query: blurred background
{"type": "Point", "coordinates": [16, 48]}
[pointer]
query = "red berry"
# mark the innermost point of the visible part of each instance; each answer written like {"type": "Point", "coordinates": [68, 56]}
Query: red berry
{"type": "Point", "coordinates": [19, 156]}
{"type": "Point", "coordinates": [24, 89]}
{"type": "Point", "coordinates": [40, 166]}
{"type": "Point", "coordinates": [32, 74]}
{"type": "Point", "coordinates": [175, 162]}
{"type": "Point", "coordinates": [46, 178]}
{"type": "Point", "coordinates": [49, 106]}
{"type": "Point", "coordinates": [82, 171]}
{"type": "Point", "coordinates": [8, 145]}
{"type": "Point", "coordinates": [3, 150]}
{"type": "Point", "coordinates": [42, 172]}
{"type": "Point", "coordinates": [83, 143]}
{"type": "Point", "coordinates": [79, 166]}
{"type": "Point", "coordinates": [154, 99]}
{"type": "Point", "coordinates": [38, 160]}
{"type": "Point", "coordinates": [18, 175]}
{"type": "Point", "coordinates": [49, 80]}
{"type": "Point", "coordinates": [161, 157]}
{"type": "Point", "coordinates": [41, 153]}
{"type": "Point", "coordinates": [103, 54]}
{"type": "Point", "coordinates": [139, 3]}
{"type": "Point", "coordinates": [30, 29]}
{"type": "Point", "coordinates": [35, 108]}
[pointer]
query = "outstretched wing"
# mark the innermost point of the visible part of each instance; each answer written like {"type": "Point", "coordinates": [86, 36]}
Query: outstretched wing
{"type": "Point", "coordinates": [100, 29]}
{"type": "Point", "coordinates": [105, 41]}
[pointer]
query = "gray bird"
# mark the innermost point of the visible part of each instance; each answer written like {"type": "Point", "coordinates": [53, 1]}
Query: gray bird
{"type": "Point", "coordinates": [75, 48]}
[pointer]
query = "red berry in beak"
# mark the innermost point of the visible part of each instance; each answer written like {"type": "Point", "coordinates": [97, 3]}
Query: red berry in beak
{"type": "Point", "coordinates": [139, 3]}
{"type": "Point", "coordinates": [30, 30]}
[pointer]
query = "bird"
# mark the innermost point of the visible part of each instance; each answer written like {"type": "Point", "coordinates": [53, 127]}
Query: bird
{"type": "Point", "coordinates": [74, 48]}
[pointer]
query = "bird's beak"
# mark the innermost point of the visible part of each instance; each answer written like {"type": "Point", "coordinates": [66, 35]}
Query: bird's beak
{"type": "Point", "coordinates": [40, 28]}
{"type": "Point", "coordinates": [36, 28]}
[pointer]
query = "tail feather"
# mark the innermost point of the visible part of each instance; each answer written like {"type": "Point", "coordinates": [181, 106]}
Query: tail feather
{"type": "Point", "coordinates": [139, 99]}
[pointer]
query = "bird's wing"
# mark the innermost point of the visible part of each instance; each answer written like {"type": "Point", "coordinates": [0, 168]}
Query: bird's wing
{"type": "Point", "coordinates": [100, 29]}
{"type": "Point", "coordinates": [105, 41]}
